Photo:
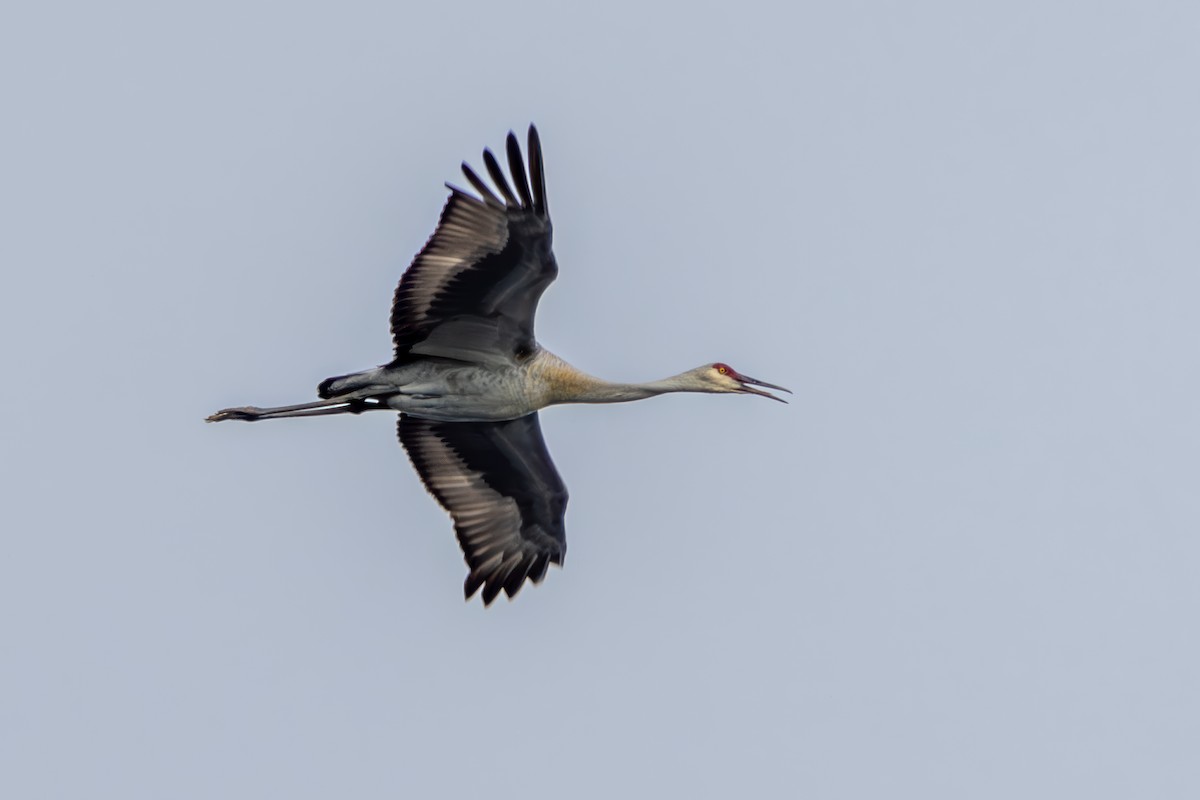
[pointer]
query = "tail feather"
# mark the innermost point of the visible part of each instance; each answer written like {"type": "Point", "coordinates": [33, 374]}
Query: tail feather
{"type": "Point", "coordinates": [325, 389]}
{"type": "Point", "coordinates": [344, 384]}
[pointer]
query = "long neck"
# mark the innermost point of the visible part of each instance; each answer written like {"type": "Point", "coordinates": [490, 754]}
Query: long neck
{"type": "Point", "coordinates": [608, 392]}
{"type": "Point", "coordinates": [569, 385]}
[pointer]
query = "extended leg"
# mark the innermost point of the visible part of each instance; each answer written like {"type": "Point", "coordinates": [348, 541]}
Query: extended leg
{"type": "Point", "coordinates": [352, 403]}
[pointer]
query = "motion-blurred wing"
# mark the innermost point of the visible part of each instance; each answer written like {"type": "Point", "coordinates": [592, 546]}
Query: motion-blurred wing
{"type": "Point", "coordinates": [498, 483]}
{"type": "Point", "coordinates": [472, 291]}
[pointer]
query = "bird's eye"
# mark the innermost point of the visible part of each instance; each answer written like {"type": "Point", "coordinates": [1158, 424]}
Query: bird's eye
{"type": "Point", "coordinates": [721, 368]}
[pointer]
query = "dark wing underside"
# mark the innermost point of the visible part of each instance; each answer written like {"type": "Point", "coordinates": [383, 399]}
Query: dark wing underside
{"type": "Point", "coordinates": [472, 291]}
{"type": "Point", "coordinates": [498, 483]}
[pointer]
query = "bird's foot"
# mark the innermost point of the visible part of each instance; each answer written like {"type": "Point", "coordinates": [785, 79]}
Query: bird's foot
{"type": "Point", "coordinates": [247, 413]}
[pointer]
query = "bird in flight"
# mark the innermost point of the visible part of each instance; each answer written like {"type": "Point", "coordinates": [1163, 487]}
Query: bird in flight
{"type": "Point", "coordinates": [468, 376]}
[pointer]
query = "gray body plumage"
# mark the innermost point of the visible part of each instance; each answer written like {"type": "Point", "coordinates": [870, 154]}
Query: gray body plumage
{"type": "Point", "coordinates": [446, 390]}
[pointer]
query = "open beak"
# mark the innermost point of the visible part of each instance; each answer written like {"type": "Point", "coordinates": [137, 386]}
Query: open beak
{"type": "Point", "coordinates": [748, 385]}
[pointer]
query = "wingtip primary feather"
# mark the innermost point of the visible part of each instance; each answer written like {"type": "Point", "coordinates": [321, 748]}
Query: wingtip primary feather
{"type": "Point", "coordinates": [497, 174]}
{"type": "Point", "coordinates": [537, 171]}
{"type": "Point", "coordinates": [514, 577]}
{"type": "Point", "coordinates": [516, 166]}
{"type": "Point", "coordinates": [504, 575]}
{"type": "Point", "coordinates": [480, 186]}
{"type": "Point", "coordinates": [537, 572]}
{"type": "Point", "coordinates": [490, 590]}
{"type": "Point", "coordinates": [471, 584]}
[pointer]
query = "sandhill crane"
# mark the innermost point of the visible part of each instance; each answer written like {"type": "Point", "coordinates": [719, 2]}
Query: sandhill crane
{"type": "Point", "coordinates": [468, 377]}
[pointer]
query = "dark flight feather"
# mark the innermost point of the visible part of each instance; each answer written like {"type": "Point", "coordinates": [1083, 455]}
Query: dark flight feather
{"type": "Point", "coordinates": [472, 292]}
{"type": "Point", "coordinates": [498, 178]}
{"type": "Point", "coordinates": [500, 486]}
{"type": "Point", "coordinates": [484, 190]}
{"type": "Point", "coordinates": [516, 166]}
{"type": "Point", "coordinates": [537, 172]}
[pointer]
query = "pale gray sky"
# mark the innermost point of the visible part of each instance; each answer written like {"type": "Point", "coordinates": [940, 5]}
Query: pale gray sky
{"type": "Point", "coordinates": [961, 564]}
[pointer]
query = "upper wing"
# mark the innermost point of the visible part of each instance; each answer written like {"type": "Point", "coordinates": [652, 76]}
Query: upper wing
{"type": "Point", "coordinates": [472, 291]}
{"type": "Point", "coordinates": [498, 483]}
